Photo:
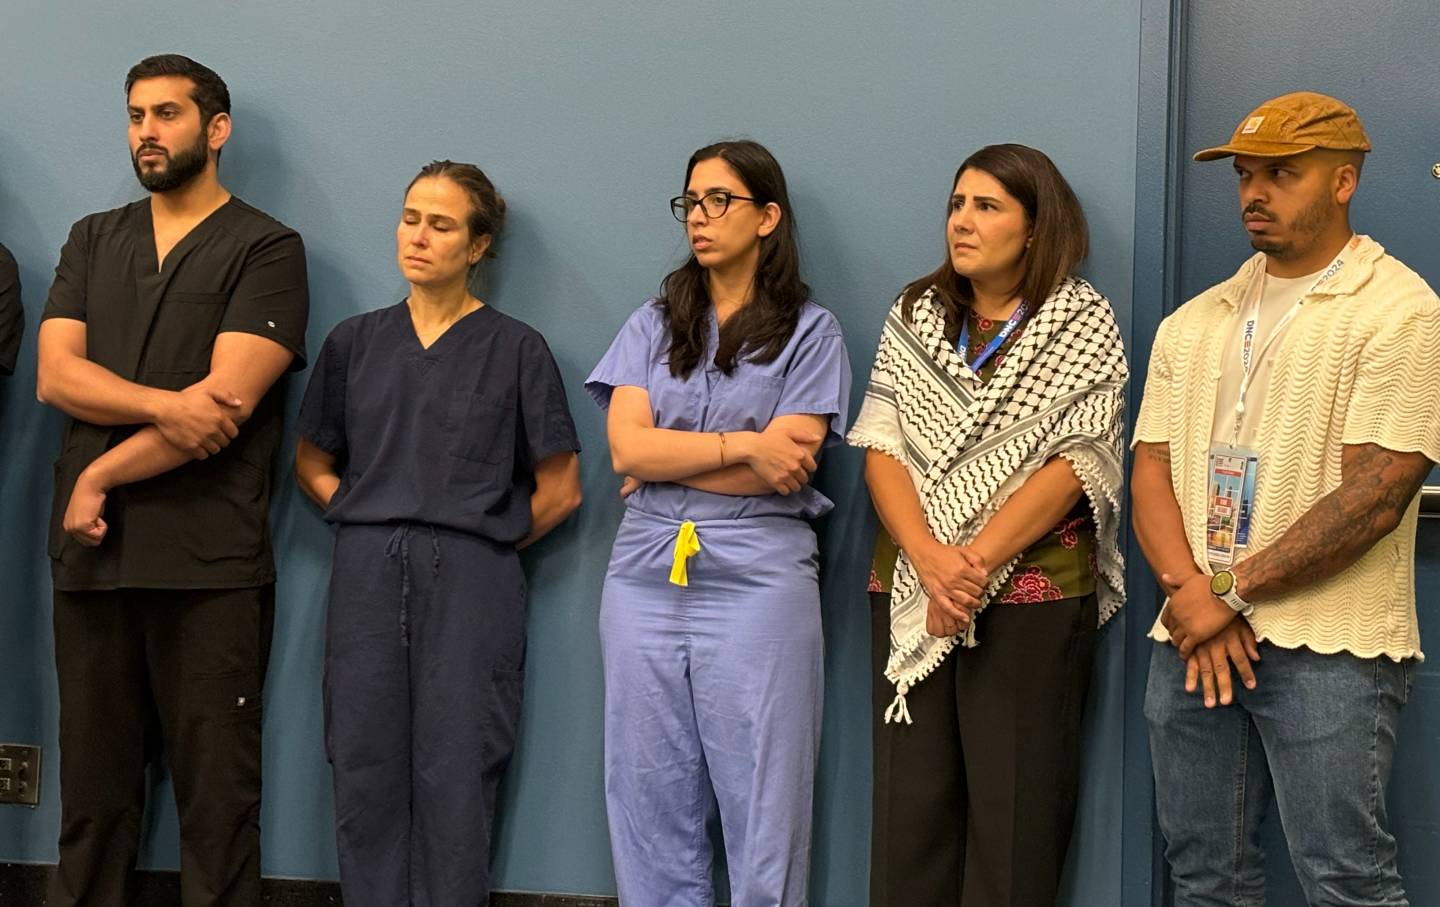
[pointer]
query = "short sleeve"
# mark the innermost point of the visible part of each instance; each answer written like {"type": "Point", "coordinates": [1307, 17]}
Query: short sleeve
{"type": "Point", "coordinates": [67, 297]}
{"type": "Point", "coordinates": [545, 425]}
{"type": "Point", "coordinates": [272, 297]}
{"type": "Point", "coordinates": [1153, 424]}
{"type": "Point", "coordinates": [627, 362]}
{"type": "Point", "coordinates": [818, 382]}
{"type": "Point", "coordinates": [878, 427]}
{"type": "Point", "coordinates": [12, 313]}
{"type": "Point", "coordinates": [322, 410]}
{"type": "Point", "coordinates": [1395, 402]}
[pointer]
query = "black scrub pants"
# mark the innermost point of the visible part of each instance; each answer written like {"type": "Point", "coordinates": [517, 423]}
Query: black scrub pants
{"type": "Point", "coordinates": [975, 801]}
{"type": "Point", "coordinates": [424, 652]}
{"type": "Point", "coordinates": [138, 667]}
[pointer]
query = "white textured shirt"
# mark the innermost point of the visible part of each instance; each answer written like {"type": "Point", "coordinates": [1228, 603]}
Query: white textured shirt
{"type": "Point", "coordinates": [1360, 364]}
{"type": "Point", "coordinates": [1277, 295]}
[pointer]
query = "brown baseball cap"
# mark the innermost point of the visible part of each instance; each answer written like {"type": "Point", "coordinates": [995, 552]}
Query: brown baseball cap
{"type": "Point", "coordinates": [1291, 124]}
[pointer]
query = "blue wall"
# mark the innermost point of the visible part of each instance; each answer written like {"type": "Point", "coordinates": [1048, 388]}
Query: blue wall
{"type": "Point", "coordinates": [584, 115]}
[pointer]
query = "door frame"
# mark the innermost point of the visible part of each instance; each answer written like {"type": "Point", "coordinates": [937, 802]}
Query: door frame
{"type": "Point", "coordinates": [1155, 291]}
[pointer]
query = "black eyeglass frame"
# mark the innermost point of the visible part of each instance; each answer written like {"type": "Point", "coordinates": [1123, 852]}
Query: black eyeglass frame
{"type": "Point", "coordinates": [682, 205]}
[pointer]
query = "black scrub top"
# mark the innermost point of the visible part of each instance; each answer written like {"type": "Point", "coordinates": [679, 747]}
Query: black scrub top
{"type": "Point", "coordinates": [203, 525]}
{"type": "Point", "coordinates": [12, 316]}
{"type": "Point", "coordinates": [448, 435]}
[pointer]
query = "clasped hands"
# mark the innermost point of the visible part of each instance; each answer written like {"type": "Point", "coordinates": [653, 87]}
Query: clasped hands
{"type": "Point", "coordinates": [1209, 636]}
{"type": "Point", "coordinates": [200, 420]}
{"type": "Point", "coordinates": [955, 578]}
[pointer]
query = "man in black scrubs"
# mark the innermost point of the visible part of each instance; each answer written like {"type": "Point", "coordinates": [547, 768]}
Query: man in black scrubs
{"type": "Point", "coordinates": [12, 316]}
{"type": "Point", "coordinates": [168, 323]}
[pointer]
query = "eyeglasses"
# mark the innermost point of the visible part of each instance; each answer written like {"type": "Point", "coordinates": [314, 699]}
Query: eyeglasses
{"type": "Point", "coordinates": [714, 203]}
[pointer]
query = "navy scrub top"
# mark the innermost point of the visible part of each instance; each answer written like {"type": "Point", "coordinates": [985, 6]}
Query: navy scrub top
{"type": "Point", "coordinates": [449, 435]}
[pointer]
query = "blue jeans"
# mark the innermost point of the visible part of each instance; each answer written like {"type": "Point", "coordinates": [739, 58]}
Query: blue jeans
{"type": "Point", "coordinates": [1316, 735]}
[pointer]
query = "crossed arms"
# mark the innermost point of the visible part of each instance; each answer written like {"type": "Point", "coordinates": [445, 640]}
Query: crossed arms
{"type": "Point", "coordinates": [180, 426]}
{"type": "Point", "coordinates": [778, 460]}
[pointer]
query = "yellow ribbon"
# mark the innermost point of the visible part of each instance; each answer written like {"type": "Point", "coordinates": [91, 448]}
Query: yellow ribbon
{"type": "Point", "coordinates": [687, 545]}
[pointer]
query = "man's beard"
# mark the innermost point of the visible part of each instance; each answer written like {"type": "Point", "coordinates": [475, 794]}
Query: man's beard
{"type": "Point", "coordinates": [180, 168]}
{"type": "Point", "coordinates": [1308, 224]}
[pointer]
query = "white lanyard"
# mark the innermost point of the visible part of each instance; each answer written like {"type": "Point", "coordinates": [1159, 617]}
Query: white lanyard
{"type": "Point", "coordinates": [1248, 356]}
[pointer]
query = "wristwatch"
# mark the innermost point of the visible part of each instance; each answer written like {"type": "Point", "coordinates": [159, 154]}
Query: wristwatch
{"type": "Point", "coordinates": [1222, 586]}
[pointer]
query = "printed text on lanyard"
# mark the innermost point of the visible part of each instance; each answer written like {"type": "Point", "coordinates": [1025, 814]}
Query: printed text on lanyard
{"type": "Point", "coordinates": [1248, 353]}
{"type": "Point", "coordinates": [984, 355]}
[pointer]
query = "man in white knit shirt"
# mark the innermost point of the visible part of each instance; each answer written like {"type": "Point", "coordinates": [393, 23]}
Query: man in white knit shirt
{"type": "Point", "coordinates": [1290, 415]}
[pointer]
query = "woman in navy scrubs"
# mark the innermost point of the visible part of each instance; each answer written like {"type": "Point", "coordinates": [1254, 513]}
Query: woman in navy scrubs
{"type": "Point", "coordinates": [436, 436]}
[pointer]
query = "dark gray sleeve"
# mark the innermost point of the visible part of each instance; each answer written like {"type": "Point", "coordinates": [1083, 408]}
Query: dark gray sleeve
{"type": "Point", "coordinates": [68, 297]}
{"type": "Point", "coordinates": [272, 299]}
{"type": "Point", "coordinates": [12, 314]}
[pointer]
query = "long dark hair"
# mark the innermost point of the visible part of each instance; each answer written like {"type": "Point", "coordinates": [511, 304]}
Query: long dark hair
{"type": "Point", "coordinates": [1059, 238]}
{"type": "Point", "coordinates": [762, 327]}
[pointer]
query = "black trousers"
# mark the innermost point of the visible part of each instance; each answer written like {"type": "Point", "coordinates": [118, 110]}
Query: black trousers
{"type": "Point", "coordinates": [975, 801]}
{"type": "Point", "coordinates": [139, 668]}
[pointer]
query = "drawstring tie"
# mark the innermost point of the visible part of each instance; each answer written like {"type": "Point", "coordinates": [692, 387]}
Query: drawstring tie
{"type": "Point", "coordinates": [400, 544]}
{"type": "Point", "coordinates": [687, 545]}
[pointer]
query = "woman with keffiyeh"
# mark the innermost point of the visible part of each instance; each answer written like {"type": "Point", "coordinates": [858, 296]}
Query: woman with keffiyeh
{"type": "Point", "coordinates": [993, 425]}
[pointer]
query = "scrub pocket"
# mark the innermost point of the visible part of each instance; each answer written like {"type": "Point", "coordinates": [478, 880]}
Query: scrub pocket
{"type": "Point", "coordinates": [191, 322]}
{"type": "Point", "coordinates": [481, 428]}
{"type": "Point", "coordinates": [747, 403]}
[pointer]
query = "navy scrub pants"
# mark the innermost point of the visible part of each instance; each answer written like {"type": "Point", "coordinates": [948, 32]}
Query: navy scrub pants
{"type": "Point", "coordinates": [425, 648]}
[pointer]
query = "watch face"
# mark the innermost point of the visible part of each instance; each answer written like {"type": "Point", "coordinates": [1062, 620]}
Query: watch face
{"type": "Point", "coordinates": [1222, 582]}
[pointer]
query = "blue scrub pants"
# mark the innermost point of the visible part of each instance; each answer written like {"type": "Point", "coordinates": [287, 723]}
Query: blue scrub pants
{"type": "Point", "coordinates": [424, 651]}
{"type": "Point", "coordinates": [712, 697]}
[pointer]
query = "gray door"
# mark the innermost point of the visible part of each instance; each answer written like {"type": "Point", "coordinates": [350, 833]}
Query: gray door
{"type": "Point", "coordinates": [1382, 59]}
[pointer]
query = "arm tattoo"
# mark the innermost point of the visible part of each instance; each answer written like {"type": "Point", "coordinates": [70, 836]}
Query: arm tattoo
{"type": "Point", "coordinates": [1376, 486]}
{"type": "Point", "coordinates": [1159, 453]}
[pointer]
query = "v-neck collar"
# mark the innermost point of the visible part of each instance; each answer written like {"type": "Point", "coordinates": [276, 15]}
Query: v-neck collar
{"type": "Point", "coordinates": [407, 327]}
{"type": "Point", "coordinates": [145, 256]}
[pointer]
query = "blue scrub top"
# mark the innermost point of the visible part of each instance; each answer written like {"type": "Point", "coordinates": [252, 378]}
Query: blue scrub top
{"type": "Point", "coordinates": [811, 376]}
{"type": "Point", "coordinates": [448, 435]}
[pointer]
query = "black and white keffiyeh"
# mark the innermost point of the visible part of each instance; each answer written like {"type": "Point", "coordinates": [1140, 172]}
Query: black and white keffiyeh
{"type": "Point", "coordinates": [969, 445]}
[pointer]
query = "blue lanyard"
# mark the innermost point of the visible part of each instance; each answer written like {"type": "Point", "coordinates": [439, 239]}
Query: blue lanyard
{"type": "Point", "coordinates": [1015, 318]}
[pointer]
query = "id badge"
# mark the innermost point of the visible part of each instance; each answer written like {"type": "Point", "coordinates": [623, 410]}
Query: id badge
{"type": "Point", "coordinates": [1232, 500]}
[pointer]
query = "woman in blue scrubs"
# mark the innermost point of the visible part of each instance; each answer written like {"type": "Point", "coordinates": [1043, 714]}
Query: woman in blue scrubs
{"type": "Point", "coordinates": [720, 394]}
{"type": "Point", "coordinates": [436, 436]}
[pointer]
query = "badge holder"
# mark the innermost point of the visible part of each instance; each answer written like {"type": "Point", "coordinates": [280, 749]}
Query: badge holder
{"type": "Point", "coordinates": [1231, 488]}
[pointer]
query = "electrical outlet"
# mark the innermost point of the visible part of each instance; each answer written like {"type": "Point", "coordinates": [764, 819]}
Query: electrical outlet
{"type": "Point", "coordinates": [19, 774]}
